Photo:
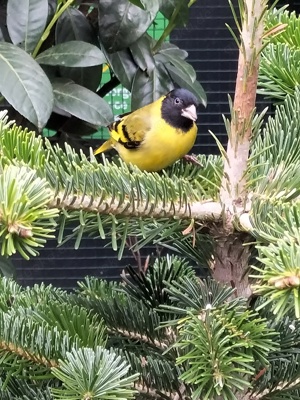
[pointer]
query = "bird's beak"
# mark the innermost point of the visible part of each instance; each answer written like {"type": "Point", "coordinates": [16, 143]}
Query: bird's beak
{"type": "Point", "coordinates": [190, 112]}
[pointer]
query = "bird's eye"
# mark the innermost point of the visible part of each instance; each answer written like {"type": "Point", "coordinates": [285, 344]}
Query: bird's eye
{"type": "Point", "coordinates": [177, 100]}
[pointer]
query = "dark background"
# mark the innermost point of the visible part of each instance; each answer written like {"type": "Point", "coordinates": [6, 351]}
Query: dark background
{"type": "Point", "coordinates": [213, 53]}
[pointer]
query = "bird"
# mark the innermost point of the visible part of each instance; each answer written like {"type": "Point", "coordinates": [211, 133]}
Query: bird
{"type": "Point", "coordinates": [156, 135]}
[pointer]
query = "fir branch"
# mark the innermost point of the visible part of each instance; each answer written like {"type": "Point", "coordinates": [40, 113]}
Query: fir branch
{"type": "Point", "coordinates": [283, 368]}
{"type": "Point", "coordinates": [97, 374]}
{"type": "Point", "coordinates": [156, 370]}
{"type": "Point", "coordinates": [162, 345]}
{"type": "Point", "coordinates": [26, 354]}
{"type": "Point", "coordinates": [202, 211]}
{"type": "Point", "coordinates": [155, 393]}
{"type": "Point", "coordinates": [18, 389]}
{"type": "Point", "coordinates": [21, 334]}
{"type": "Point", "coordinates": [282, 388]}
{"type": "Point", "coordinates": [277, 146]}
{"type": "Point", "coordinates": [122, 314]}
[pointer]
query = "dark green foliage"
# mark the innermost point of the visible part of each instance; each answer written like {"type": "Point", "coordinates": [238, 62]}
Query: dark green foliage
{"type": "Point", "coordinates": [169, 10]}
{"type": "Point", "coordinates": [64, 47]}
{"type": "Point", "coordinates": [150, 286]}
{"type": "Point", "coordinates": [283, 361]}
{"type": "Point", "coordinates": [187, 309]}
{"type": "Point", "coordinates": [18, 389]}
{"type": "Point", "coordinates": [195, 294]}
{"type": "Point", "coordinates": [277, 146]}
{"type": "Point", "coordinates": [96, 373]}
{"type": "Point", "coordinates": [70, 177]}
{"type": "Point", "coordinates": [159, 328]}
{"type": "Point", "coordinates": [163, 329]}
{"type": "Point", "coordinates": [220, 341]}
{"type": "Point", "coordinates": [279, 67]}
{"type": "Point", "coordinates": [274, 181]}
{"type": "Point", "coordinates": [117, 20]}
{"type": "Point", "coordinates": [40, 327]}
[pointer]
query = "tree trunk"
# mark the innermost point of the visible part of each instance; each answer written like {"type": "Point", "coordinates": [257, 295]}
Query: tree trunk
{"type": "Point", "coordinates": [231, 262]}
{"type": "Point", "coordinates": [233, 194]}
{"type": "Point", "coordinates": [231, 255]}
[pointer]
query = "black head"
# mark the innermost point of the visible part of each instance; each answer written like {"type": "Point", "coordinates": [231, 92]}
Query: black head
{"type": "Point", "coordinates": [179, 109]}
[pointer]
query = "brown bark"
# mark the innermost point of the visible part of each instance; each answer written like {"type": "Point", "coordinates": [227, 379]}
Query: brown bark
{"type": "Point", "coordinates": [232, 256]}
{"type": "Point", "coordinates": [231, 262]}
{"type": "Point", "coordinates": [233, 194]}
{"type": "Point", "coordinates": [241, 129]}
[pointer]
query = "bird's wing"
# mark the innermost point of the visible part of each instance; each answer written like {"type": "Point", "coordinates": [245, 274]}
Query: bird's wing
{"type": "Point", "coordinates": [130, 129]}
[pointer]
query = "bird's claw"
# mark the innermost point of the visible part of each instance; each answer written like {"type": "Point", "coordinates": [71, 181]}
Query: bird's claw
{"type": "Point", "coordinates": [192, 158]}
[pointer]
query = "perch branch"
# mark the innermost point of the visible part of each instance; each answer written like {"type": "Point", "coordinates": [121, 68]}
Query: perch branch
{"type": "Point", "coordinates": [203, 211]}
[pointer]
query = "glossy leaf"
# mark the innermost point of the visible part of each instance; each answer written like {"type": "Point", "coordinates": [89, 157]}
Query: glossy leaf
{"type": "Point", "coordinates": [81, 102]}
{"type": "Point", "coordinates": [26, 21]}
{"type": "Point", "coordinates": [179, 64]}
{"type": "Point", "coordinates": [167, 8]}
{"type": "Point", "coordinates": [142, 54]}
{"type": "Point", "coordinates": [25, 85]}
{"type": "Point", "coordinates": [123, 66]}
{"type": "Point", "coordinates": [72, 54]}
{"type": "Point", "coordinates": [149, 87]}
{"type": "Point", "coordinates": [121, 23]}
{"type": "Point", "coordinates": [183, 80]}
{"type": "Point", "coordinates": [52, 4]}
{"type": "Point", "coordinates": [4, 36]}
{"type": "Point", "coordinates": [170, 48]}
{"type": "Point", "coordinates": [73, 25]}
{"type": "Point", "coordinates": [138, 3]}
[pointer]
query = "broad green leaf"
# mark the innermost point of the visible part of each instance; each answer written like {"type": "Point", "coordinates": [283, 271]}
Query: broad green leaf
{"type": "Point", "coordinates": [180, 7]}
{"type": "Point", "coordinates": [170, 48]}
{"type": "Point", "coordinates": [81, 102]}
{"type": "Point", "coordinates": [52, 5]}
{"type": "Point", "coordinates": [138, 3]}
{"type": "Point", "coordinates": [144, 4]}
{"type": "Point", "coordinates": [72, 54]}
{"type": "Point", "coordinates": [142, 54]}
{"type": "Point", "coordinates": [74, 25]}
{"type": "Point", "coordinates": [121, 23]}
{"type": "Point", "coordinates": [147, 88]}
{"type": "Point", "coordinates": [25, 85]}
{"type": "Point", "coordinates": [123, 66]}
{"type": "Point", "coordinates": [179, 64]}
{"type": "Point", "coordinates": [26, 21]}
{"type": "Point", "coordinates": [88, 77]}
{"type": "Point", "coordinates": [182, 79]}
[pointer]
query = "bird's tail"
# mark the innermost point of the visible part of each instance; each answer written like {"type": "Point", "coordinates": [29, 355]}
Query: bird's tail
{"type": "Point", "coordinates": [104, 147]}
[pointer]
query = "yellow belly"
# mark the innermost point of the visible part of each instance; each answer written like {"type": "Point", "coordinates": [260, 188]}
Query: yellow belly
{"type": "Point", "coordinates": [159, 149]}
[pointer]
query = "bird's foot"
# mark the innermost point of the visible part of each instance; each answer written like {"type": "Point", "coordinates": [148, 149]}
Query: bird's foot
{"type": "Point", "coordinates": [192, 158]}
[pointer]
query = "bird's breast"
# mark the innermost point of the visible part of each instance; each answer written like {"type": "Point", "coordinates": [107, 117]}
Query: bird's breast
{"type": "Point", "coordinates": [160, 147]}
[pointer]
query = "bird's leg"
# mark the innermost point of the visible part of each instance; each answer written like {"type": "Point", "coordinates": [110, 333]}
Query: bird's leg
{"type": "Point", "coordinates": [192, 158]}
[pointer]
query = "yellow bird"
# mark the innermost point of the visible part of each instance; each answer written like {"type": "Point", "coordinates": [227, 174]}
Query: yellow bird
{"type": "Point", "coordinates": [155, 135]}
